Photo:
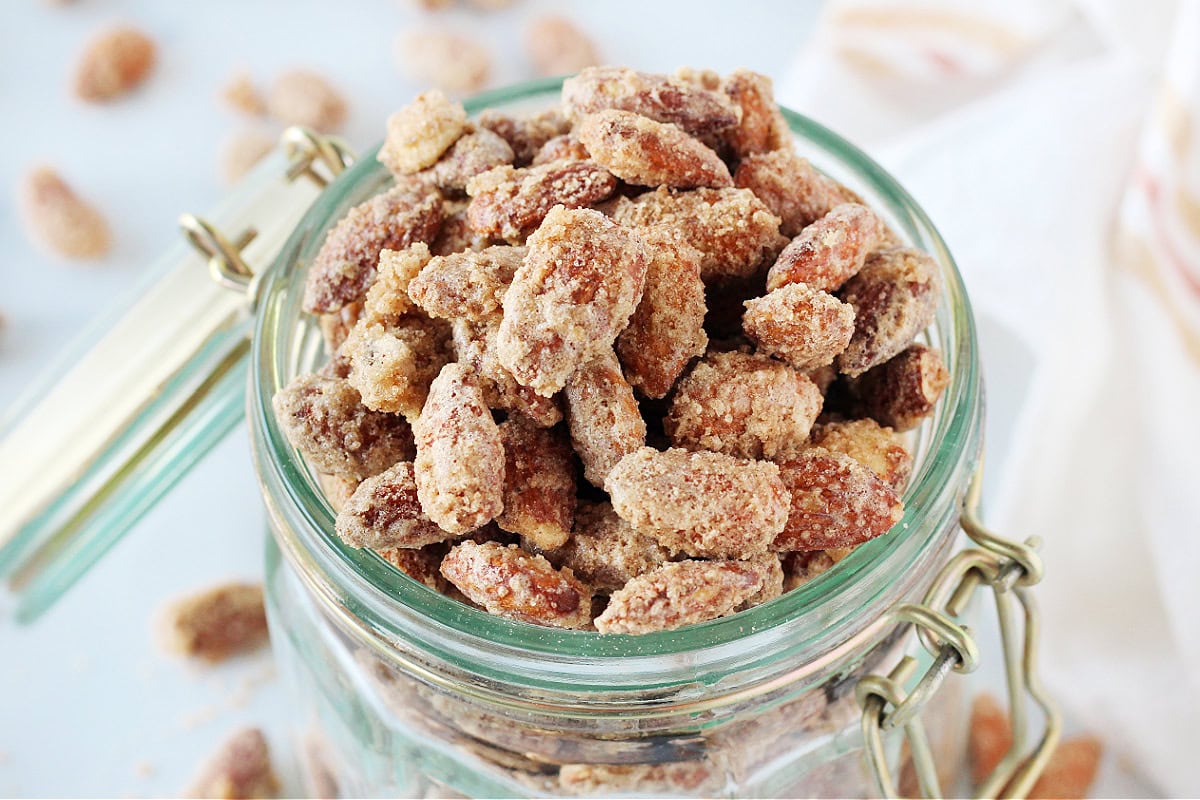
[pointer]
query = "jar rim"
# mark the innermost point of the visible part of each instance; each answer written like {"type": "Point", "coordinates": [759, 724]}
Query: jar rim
{"type": "Point", "coordinates": [399, 608]}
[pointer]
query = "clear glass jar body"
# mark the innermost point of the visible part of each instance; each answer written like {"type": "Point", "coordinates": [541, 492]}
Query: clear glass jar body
{"type": "Point", "coordinates": [400, 691]}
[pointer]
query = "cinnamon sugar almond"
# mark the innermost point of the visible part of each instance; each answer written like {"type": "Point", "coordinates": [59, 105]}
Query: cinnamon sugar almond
{"type": "Point", "coordinates": [831, 250]}
{"type": "Point", "coordinates": [801, 325]}
{"type": "Point", "coordinates": [61, 221]}
{"type": "Point", "coordinates": [384, 512]}
{"type": "Point", "coordinates": [606, 551]}
{"type": "Point", "coordinates": [903, 390]}
{"type": "Point", "coordinates": [469, 285]}
{"type": "Point", "coordinates": [419, 133]}
{"type": "Point", "coordinates": [304, 97]}
{"type": "Point", "coordinates": [643, 152]}
{"type": "Point", "coordinates": [241, 768]}
{"type": "Point", "coordinates": [539, 483]}
{"type": "Point", "coordinates": [791, 188]}
{"type": "Point", "coordinates": [113, 64]}
{"type": "Point", "coordinates": [512, 203]}
{"type": "Point", "coordinates": [513, 583]}
{"type": "Point", "coordinates": [217, 623]}
{"type": "Point", "coordinates": [658, 97]}
{"type": "Point", "coordinates": [703, 504]}
{"type": "Point", "coordinates": [603, 416]}
{"type": "Point", "coordinates": [877, 447]}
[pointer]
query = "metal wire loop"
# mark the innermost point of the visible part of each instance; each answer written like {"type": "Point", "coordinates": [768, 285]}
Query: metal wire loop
{"type": "Point", "coordinates": [305, 148]}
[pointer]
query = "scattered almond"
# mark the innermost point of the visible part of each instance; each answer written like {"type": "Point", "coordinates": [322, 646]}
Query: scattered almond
{"type": "Point", "coordinates": [113, 64]}
{"type": "Point", "coordinates": [60, 220]}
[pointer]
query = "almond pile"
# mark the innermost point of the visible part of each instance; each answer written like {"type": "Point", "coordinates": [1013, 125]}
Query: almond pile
{"type": "Point", "coordinates": [625, 365]}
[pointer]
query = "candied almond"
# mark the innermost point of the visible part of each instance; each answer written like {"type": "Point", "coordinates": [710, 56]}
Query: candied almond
{"type": "Point", "coordinates": [603, 416]}
{"type": "Point", "coordinates": [703, 504]}
{"type": "Point", "coordinates": [770, 567]}
{"type": "Point", "coordinates": [561, 148]}
{"type": "Point", "coordinates": [903, 390]}
{"type": "Point", "coordinates": [743, 405]}
{"type": "Point", "coordinates": [895, 297]}
{"type": "Point", "coordinates": [240, 769]}
{"type": "Point", "coordinates": [526, 135]}
{"type": "Point", "coordinates": [475, 152]}
{"type": "Point", "coordinates": [344, 267]}
{"type": "Point", "coordinates": [325, 420]}
{"type": "Point", "coordinates": [456, 234]}
{"type": "Point", "coordinates": [703, 78]}
{"type": "Point", "coordinates": [469, 285]}
{"type": "Point", "coordinates": [422, 565]}
{"type": "Point", "coordinates": [475, 347]}
{"type": "Point", "coordinates": [791, 187]}
{"type": "Point", "coordinates": [989, 737]}
{"type": "Point", "coordinates": [419, 133]}
{"type": "Point", "coordinates": [302, 97]}
{"type": "Point", "coordinates": [557, 46]}
{"type": "Point", "coordinates": [762, 127]}
{"type": "Point", "coordinates": [114, 63]}
{"type": "Point", "coordinates": [581, 280]}
{"type": "Point", "coordinates": [60, 220]}
{"type": "Point", "coordinates": [803, 326]}
{"type": "Point", "coordinates": [878, 448]}
{"type": "Point", "coordinates": [659, 97]}
{"type": "Point", "coordinates": [338, 489]}
{"type": "Point", "coordinates": [732, 229]}
{"type": "Point", "coordinates": [217, 623]}
{"type": "Point", "coordinates": [388, 301]}
{"type": "Point", "coordinates": [674, 778]}
{"type": "Point", "coordinates": [392, 366]}
{"type": "Point", "coordinates": [513, 583]}
{"type": "Point", "coordinates": [643, 152]}
{"type": "Point", "coordinates": [460, 459]}
{"type": "Point", "coordinates": [384, 512]}
{"type": "Point", "coordinates": [242, 95]}
{"type": "Point", "coordinates": [243, 151]}
{"type": "Point", "coordinates": [446, 60]}
{"type": "Point", "coordinates": [1071, 770]}
{"type": "Point", "coordinates": [606, 551]}
{"type": "Point", "coordinates": [831, 250]}
{"type": "Point", "coordinates": [512, 203]}
{"type": "Point", "coordinates": [539, 483]}
{"type": "Point", "coordinates": [681, 593]}
{"type": "Point", "coordinates": [666, 330]}
{"type": "Point", "coordinates": [836, 502]}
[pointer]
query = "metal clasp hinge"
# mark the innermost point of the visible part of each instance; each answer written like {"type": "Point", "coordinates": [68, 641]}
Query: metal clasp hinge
{"type": "Point", "coordinates": [307, 152]}
{"type": "Point", "coordinates": [1009, 569]}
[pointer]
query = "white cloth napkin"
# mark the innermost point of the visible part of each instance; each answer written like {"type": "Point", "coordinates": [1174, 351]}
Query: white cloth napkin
{"type": "Point", "coordinates": [1057, 147]}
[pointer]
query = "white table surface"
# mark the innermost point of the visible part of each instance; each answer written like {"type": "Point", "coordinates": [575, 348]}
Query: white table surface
{"type": "Point", "coordinates": [90, 705]}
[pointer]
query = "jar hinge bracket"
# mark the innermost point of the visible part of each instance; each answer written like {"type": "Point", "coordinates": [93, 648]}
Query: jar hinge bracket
{"type": "Point", "coordinates": [1009, 569]}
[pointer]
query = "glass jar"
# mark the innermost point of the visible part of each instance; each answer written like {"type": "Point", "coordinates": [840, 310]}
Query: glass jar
{"type": "Point", "coordinates": [402, 691]}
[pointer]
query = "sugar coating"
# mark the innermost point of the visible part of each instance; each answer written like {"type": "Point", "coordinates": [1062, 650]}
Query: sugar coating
{"type": "Point", "coordinates": [675, 778]}
{"type": "Point", "coordinates": [895, 297]}
{"type": "Point", "coordinates": [475, 347]}
{"type": "Point", "coordinates": [539, 483]}
{"type": "Point", "coordinates": [703, 504]}
{"type": "Point", "coordinates": [419, 133]}
{"type": "Point", "coordinates": [743, 405]}
{"type": "Point", "coordinates": [468, 285]}
{"type": "Point", "coordinates": [581, 280]}
{"type": "Point", "coordinates": [241, 768]}
{"type": "Point", "coordinates": [606, 551]}
{"type": "Point", "coordinates": [325, 420]}
{"type": "Point", "coordinates": [903, 390]}
{"type": "Point", "coordinates": [666, 330]}
{"type": "Point", "coordinates": [474, 152]}
{"type": "Point", "coordinates": [835, 502]}
{"type": "Point", "coordinates": [603, 416]}
{"type": "Point", "coordinates": [556, 46]}
{"type": "Point", "coordinates": [658, 97]}
{"type": "Point", "coordinates": [344, 267]}
{"type": "Point", "coordinates": [762, 127]}
{"type": "Point", "coordinates": [525, 135]}
{"type": "Point", "coordinates": [681, 593]}
{"type": "Point", "coordinates": [770, 566]}
{"type": "Point", "coordinates": [113, 64]}
{"type": "Point", "coordinates": [303, 97]}
{"type": "Point", "coordinates": [61, 221]}
{"type": "Point", "coordinates": [734, 232]}
{"type": "Point", "coordinates": [387, 301]}
{"type": "Point", "coordinates": [566, 147]}
{"type": "Point", "coordinates": [384, 512]}
{"type": "Point", "coordinates": [644, 152]}
{"type": "Point", "coordinates": [459, 466]}
{"type": "Point", "coordinates": [456, 235]}
{"type": "Point", "coordinates": [831, 250]}
{"type": "Point", "coordinates": [511, 203]}
{"type": "Point", "coordinates": [513, 583]}
{"type": "Point", "coordinates": [791, 187]}
{"type": "Point", "coordinates": [217, 623]}
{"type": "Point", "coordinates": [878, 448]}
{"type": "Point", "coordinates": [392, 366]}
{"type": "Point", "coordinates": [422, 565]}
{"type": "Point", "coordinates": [803, 326]}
